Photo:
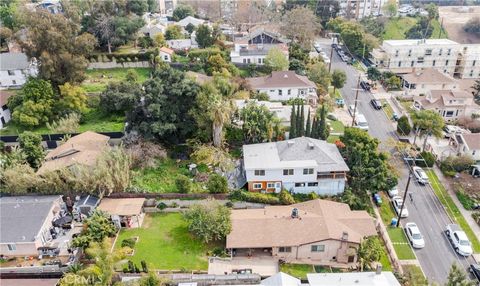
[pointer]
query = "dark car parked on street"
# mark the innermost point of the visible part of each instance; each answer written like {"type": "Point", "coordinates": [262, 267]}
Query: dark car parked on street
{"type": "Point", "coordinates": [376, 104]}
{"type": "Point", "coordinates": [365, 85]}
{"type": "Point", "coordinates": [475, 270]}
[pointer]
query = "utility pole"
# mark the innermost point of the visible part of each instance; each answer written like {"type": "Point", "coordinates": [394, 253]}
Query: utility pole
{"type": "Point", "coordinates": [356, 100]}
{"type": "Point", "coordinates": [331, 59]}
{"type": "Point", "coordinates": [404, 196]}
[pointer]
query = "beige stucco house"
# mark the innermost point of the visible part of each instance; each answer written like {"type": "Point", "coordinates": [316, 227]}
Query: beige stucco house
{"type": "Point", "coordinates": [420, 82]}
{"type": "Point", "coordinates": [312, 232]}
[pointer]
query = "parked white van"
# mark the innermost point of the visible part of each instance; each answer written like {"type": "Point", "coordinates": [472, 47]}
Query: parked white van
{"type": "Point", "coordinates": [361, 122]}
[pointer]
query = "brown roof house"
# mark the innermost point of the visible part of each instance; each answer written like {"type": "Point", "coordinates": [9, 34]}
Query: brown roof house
{"type": "Point", "coordinates": [450, 104]}
{"type": "Point", "coordinates": [166, 54]}
{"type": "Point", "coordinates": [284, 85]}
{"type": "Point", "coordinates": [82, 149]}
{"type": "Point", "coordinates": [124, 212]}
{"type": "Point", "coordinates": [313, 232]}
{"type": "Point", "coordinates": [422, 81]}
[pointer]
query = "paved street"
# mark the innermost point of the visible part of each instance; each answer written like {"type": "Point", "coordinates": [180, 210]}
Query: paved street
{"type": "Point", "coordinates": [426, 210]}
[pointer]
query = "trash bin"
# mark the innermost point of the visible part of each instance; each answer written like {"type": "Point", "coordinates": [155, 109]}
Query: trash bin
{"type": "Point", "coordinates": [393, 222]}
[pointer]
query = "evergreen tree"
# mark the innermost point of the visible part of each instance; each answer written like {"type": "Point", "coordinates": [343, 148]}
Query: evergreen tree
{"type": "Point", "coordinates": [293, 123]}
{"type": "Point", "coordinates": [302, 120]}
{"type": "Point", "coordinates": [314, 131]}
{"type": "Point", "coordinates": [323, 131]}
{"type": "Point", "coordinates": [298, 128]}
{"type": "Point", "coordinates": [308, 128]}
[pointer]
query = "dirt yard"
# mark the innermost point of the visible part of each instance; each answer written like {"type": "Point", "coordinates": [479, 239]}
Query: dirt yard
{"type": "Point", "coordinates": [454, 17]}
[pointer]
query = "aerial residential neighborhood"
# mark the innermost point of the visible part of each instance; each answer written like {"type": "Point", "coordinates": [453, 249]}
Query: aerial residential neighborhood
{"type": "Point", "coordinates": [240, 142]}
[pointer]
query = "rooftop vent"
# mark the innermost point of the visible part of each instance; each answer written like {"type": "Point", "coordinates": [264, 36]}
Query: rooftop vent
{"type": "Point", "coordinates": [295, 213]}
{"type": "Point", "coordinates": [311, 146]}
{"type": "Point", "coordinates": [345, 235]}
{"type": "Point", "coordinates": [290, 143]}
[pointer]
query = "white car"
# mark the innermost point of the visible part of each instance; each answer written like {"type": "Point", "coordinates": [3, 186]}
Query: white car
{"type": "Point", "coordinates": [393, 192]}
{"type": "Point", "coordinates": [397, 203]}
{"type": "Point", "coordinates": [420, 175]}
{"type": "Point", "coordinates": [414, 235]}
{"type": "Point", "coordinates": [459, 240]}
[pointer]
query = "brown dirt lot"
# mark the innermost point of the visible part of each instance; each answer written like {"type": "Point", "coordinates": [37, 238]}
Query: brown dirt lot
{"type": "Point", "coordinates": [454, 17]}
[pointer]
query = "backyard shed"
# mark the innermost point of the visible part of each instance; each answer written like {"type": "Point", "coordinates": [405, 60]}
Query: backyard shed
{"type": "Point", "coordinates": [124, 212]}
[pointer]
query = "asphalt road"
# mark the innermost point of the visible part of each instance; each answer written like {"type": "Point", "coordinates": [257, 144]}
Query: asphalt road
{"type": "Point", "coordinates": [426, 210]}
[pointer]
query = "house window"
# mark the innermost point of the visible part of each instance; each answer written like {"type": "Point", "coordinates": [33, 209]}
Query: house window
{"type": "Point", "coordinates": [257, 186]}
{"type": "Point", "coordinates": [471, 73]}
{"type": "Point", "coordinates": [285, 249]}
{"type": "Point", "coordinates": [420, 60]}
{"type": "Point", "coordinates": [11, 72]}
{"type": "Point", "coordinates": [165, 58]}
{"type": "Point", "coordinates": [318, 248]}
{"type": "Point", "coordinates": [428, 52]}
{"type": "Point", "coordinates": [272, 90]}
{"type": "Point", "coordinates": [473, 152]}
{"type": "Point", "coordinates": [446, 62]}
{"type": "Point", "coordinates": [248, 60]}
{"type": "Point", "coordinates": [473, 63]}
{"type": "Point", "coordinates": [409, 52]}
{"type": "Point", "coordinates": [433, 64]}
{"type": "Point", "coordinates": [449, 51]}
{"type": "Point", "coordinates": [396, 53]}
{"type": "Point", "coordinates": [288, 172]}
{"type": "Point", "coordinates": [313, 184]}
{"type": "Point", "coordinates": [11, 247]}
{"type": "Point", "coordinates": [14, 81]}
{"type": "Point", "coordinates": [299, 185]}
{"type": "Point", "coordinates": [259, 172]}
{"type": "Point", "coordinates": [440, 52]}
{"type": "Point", "coordinates": [399, 63]}
{"type": "Point", "coordinates": [270, 185]}
{"type": "Point", "coordinates": [449, 114]}
{"type": "Point", "coordinates": [259, 61]}
{"type": "Point", "coordinates": [289, 92]}
{"type": "Point", "coordinates": [413, 62]}
{"type": "Point", "coordinates": [279, 92]}
{"type": "Point", "coordinates": [308, 171]}
{"type": "Point", "coordinates": [244, 61]}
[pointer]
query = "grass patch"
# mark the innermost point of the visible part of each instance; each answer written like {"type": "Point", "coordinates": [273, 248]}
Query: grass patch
{"type": "Point", "coordinates": [333, 138]}
{"type": "Point", "coordinates": [397, 27]}
{"type": "Point", "coordinates": [400, 243]}
{"type": "Point", "coordinates": [386, 210]}
{"type": "Point", "coordinates": [336, 126]}
{"type": "Point", "coordinates": [384, 260]}
{"type": "Point", "coordinates": [438, 31]}
{"type": "Point", "coordinates": [358, 65]}
{"type": "Point", "coordinates": [161, 178]}
{"type": "Point", "coordinates": [98, 79]}
{"type": "Point", "coordinates": [452, 209]}
{"type": "Point", "coordinates": [299, 271]}
{"type": "Point", "coordinates": [387, 109]}
{"type": "Point", "coordinates": [337, 95]}
{"type": "Point", "coordinates": [165, 243]}
{"type": "Point", "coordinates": [466, 201]}
{"type": "Point", "coordinates": [414, 275]}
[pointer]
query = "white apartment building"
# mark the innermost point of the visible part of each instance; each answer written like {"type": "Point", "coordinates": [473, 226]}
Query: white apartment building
{"type": "Point", "coordinates": [357, 9]}
{"type": "Point", "coordinates": [444, 55]}
{"type": "Point", "coordinates": [284, 85]}
{"type": "Point", "coordinates": [167, 6]}
{"type": "Point", "coordinates": [299, 165]}
{"type": "Point", "coordinates": [15, 68]}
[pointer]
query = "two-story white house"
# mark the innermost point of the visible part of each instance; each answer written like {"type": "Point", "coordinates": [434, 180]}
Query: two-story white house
{"type": "Point", "coordinates": [450, 104]}
{"type": "Point", "coordinates": [15, 68]}
{"type": "Point", "coordinates": [468, 145]}
{"type": "Point", "coordinates": [421, 81]}
{"type": "Point", "coordinates": [284, 85]}
{"type": "Point", "coordinates": [299, 165]}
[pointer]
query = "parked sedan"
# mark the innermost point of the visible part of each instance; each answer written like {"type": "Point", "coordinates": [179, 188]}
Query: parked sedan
{"type": "Point", "coordinates": [397, 203]}
{"type": "Point", "coordinates": [365, 85]}
{"type": "Point", "coordinates": [420, 175]}
{"type": "Point", "coordinates": [393, 192]}
{"type": "Point", "coordinates": [376, 104]}
{"type": "Point", "coordinates": [475, 270]}
{"type": "Point", "coordinates": [414, 235]}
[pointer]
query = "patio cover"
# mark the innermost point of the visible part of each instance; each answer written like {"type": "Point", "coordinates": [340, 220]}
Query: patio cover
{"type": "Point", "coordinates": [122, 207]}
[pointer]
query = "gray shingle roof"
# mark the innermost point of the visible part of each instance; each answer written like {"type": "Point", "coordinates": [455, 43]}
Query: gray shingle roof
{"type": "Point", "coordinates": [22, 217]}
{"type": "Point", "coordinates": [13, 61]}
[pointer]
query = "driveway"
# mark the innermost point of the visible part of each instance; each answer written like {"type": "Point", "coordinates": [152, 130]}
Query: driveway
{"type": "Point", "coordinates": [264, 265]}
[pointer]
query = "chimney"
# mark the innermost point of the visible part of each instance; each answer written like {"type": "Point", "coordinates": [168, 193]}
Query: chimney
{"type": "Point", "coordinates": [379, 269]}
{"type": "Point", "coordinates": [294, 213]}
{"type": "Point", "coordinates": [290, 143]}
{"type": "Point", "coordinates": [311, 146]}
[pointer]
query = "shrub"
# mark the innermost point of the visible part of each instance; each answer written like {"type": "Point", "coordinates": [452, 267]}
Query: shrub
{"type": "Point", "coordinates": [403, 126]}
{"type": "Point", "coordinates": [144, 266]}
{"type": "Point", "coordinates": [476, 217]}
{"type": "Point", "coordinates": [454, 164]}
{"type": "Point", "coordinates": [219, 252]}
{"type": "Point", "coordinates": [217, 184]}
{"type": "Point", "coordinates": [183, 184]}
{"type": "Point", "coordinates": [161, 206]}
{"type": "Point", "coordinates": [269, 199]}
{"type": "Point", "coordinates": [229, 204]}
{"type": "Point", "coordinates": [466, 201]}
{"type": "Point", "coordinates": [128, 242]}
{"type": "Point", "coordinates": [286, 198]}
{"type": "Point", "coordinates": [429, 159]}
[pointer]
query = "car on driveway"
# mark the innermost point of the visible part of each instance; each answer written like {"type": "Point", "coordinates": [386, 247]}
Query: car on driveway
{"type": "Point", "coordinates": [376, 104]}
{"type": "Point", "coordinates": [459, 240]}
{"type": "Point", "coordinates": [393, 192]}
{"type": "Point", "coordinates": [475, 270]}
{"type": "Point", "coordinates": [365, 85]}
{"type": "Point", "coordinates": [397, 203]}
{"type": "Point", "coordinates": [414, 235]}
{"type": "Point", "coordinates": [420, 175]}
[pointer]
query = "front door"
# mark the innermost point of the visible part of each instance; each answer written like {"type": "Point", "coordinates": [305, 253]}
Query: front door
{"type": "Point", "coordinates": [278, 187]}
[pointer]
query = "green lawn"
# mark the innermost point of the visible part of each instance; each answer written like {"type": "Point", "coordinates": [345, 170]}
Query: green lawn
{"type": "Point", "coordinates": [384, 260]}
{"type": "Point", "coordinates": [400, 243]}
{"type": "Point", "coordinates": [414, 275]}
{"type": "Point", "coordinates": [358, 65]}
{"type": "Point", "coordinates": [333, 138]}
{"type": "Point", "coordinates": [386, 210]}
{"type": "Point", "coordinates": [396, 28]}
{"type": "Point", "coordinates": [337, 126]}
{"type": "Point", "coordinates": [165, 244]}
{"type": "Point", "coordinates": [387, 109]}
{"type": "Point", "coordinates": [161, 179]}
{"type": "Point", "coordinates": [337, 94]}
{"type": "Point", "coordinates": [299, 271]}
{"type": "Point", "coordinates": [98, 79]}
{"type": "Point", "coordinates": [452, 209]}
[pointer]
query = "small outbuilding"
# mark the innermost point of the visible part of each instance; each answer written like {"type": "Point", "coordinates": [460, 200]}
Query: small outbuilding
{"type": "Point", "coordinates": [127, 213]}
{"type": "Point", "coordinates": [166, 54]}
{"type": "Point", "coordinates": [85, 205]}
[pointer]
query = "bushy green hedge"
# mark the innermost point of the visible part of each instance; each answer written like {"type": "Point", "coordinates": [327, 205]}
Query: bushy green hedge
{"type": "Point", "coordinates": [270, 199]}
{"type": "Point", "coordinates": [453, 164]}
{"type": "Point", "coordinates": [204, 54]}
{"type": "Point", "coordinates": [428, 159]}
{"type": "Point", "coordinates": [129, 242]}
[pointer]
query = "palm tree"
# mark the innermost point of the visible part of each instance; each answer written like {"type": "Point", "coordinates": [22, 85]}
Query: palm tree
{"type": "Point", "coordinates": [221, 112]}
{"type": "Point", "coordinates": [427, 122]}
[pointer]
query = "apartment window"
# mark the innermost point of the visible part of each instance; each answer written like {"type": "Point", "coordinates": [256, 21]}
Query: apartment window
{"type": "Point", "coordinates": [396, 53]}
{"type": "Point", "coordinates": [288, 172]}
{"type": "Point", "coordinates": [412, 63]}
{"type": "Point", "coordinates": [279, 92]}
{"type": "Point", "coordinates": [420, 60]}
{"type": "Point", "coordinates": [272, 90]}
{"type": "Point", "coordinates": [165, 58]}
{"type": "Point", "coordinates": [259, 61]}
{"type": "Point", "coordinates": [449, 52]}
{"type": "Point", "coordinates": [409, 52]}
{"type": "Point", "coordinates": [11, 247]}
{"type": "Point", "coordinates": [308, 171]}
{"type": "Point", "coordinates": [270, 185]}
{"type": "Point", "coordinates": [446, 62]}
{"type": "Point", "coordinates": [244, 61]}
{"type": "Point", "coordinates": [11, 72]}
{"type": "Point", "coordinates": [285, 249]}
{"type": "Point", "coordinates": [399, 63]}
{"type": "Point", "coordinates": [257, 186]}
{"type": "Point", "coordinates": [318, 248]}
{"type": "Point", "coordinates": [313, 184]}
{"type": "Point", "coordinates": [428, 52]}
{"type": "Point", "coordinates": [473, 63]}
{"type": "Point", "coordinates": [471, 73]}
{"type": "Point", "coordinates": [289, 91]}
{"type": "Point", "coordinates": [440, 52]}
{"type": "Point", "coordinates": [14, 82]}
{"type": "Point", "coordinates": [433, 64]}
{"type": "Point", "coordinates": [449, 114]}
{"type": "Point", "coordinates": [259, 172]}
{"type": "Point", "coordinates": [298, 185]}
{"type": "Point", "coordinates": [248, 61]}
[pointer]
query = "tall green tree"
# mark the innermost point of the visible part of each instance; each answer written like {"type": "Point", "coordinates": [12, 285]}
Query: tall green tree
{"type": "Point", "coordinates": [458, 277]}
{"type": "Point", "coordinates": [182, 11]}
{"type": "Point", "coordinates": [204, 36]}
{"type": "Point", "coordinates": [119, 97]}
{"type": "Point", "coordinates": [427, 123]}
{"type": "Point", "coordinates": [301, 120]}
{"type": "Point", "coordinates": [323, 130]}
{"type": "Point", "coordinates": [276, 60]}
{"type": "Point", "coordinates": [174, 32]}
{"type": "Point", "coordinates": [209, 222]}
{"type": "Point", "coordinates": [308, 127]}
{"type": "Point", "coordinates": [300, 25]}
{"type": "Point", "coordinates": [318, 73]}
{"type": "Point", "coordinates": [31, 145]}
{"type": "Point", "coordinates": [162, 111]}
{"type": "Point", "coordinates": [314, 132]}
{"type": "Point", "coordinates": [58, 45]}
{"type": "Point", "coordinates": [259, 124]}
{"type": "Point", "coordinates": [370, 251]}
{"type": "Point", "coordinates": [293, 123]}
{"type": "Point", "coordinates": [98, 227]}
{"type": "Point", "coordinates": [339, 78]}
{"type": "Point", "coordinates": [432, 10]}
